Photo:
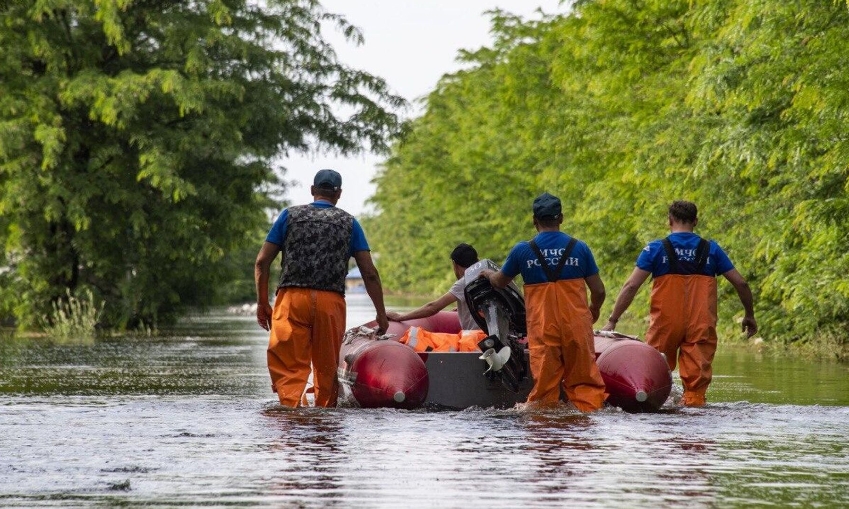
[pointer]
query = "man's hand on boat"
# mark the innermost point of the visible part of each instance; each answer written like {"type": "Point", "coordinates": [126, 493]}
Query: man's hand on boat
{"type": "Point", "coordinates": [382, 324]}
{"type": "Point", "coordinates": [496, 278]}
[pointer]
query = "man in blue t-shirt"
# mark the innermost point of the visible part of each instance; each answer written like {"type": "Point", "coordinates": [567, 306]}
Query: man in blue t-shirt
{"type": "Point", "coordinates": [684, 267]}
{"type": "Point", "coordinates": [315, 241]}
{"type": "Point", "coordinates": [557, 270]}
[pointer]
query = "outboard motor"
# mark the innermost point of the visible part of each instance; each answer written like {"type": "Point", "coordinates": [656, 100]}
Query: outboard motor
{"type": "Point", "coordinates": [501, 314]}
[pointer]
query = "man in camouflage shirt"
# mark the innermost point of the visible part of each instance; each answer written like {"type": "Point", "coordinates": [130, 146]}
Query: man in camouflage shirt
{"type": "Point", "coordinates": [308, 319]}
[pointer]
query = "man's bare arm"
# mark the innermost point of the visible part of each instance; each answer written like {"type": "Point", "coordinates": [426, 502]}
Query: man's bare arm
{"type": "Point", "coordinates": [597, 294]}
{"type": "Point", "coordinates": [496, 278]}
{"type": "Point", "coordinates": [750, 325]}
{"type": "Point", "coordinates": [262, 270]}
{"type": "Point", "coordinates": [371, 280]}
{"type": "Point", "coordinates": [626, 296]}
{"type": "Point", "coordinates": [429, 309]}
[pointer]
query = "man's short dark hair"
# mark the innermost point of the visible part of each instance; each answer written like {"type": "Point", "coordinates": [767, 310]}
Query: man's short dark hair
{"type": "Point", "coordinates": [464, 255]}
{"type": "Point", "coordinates": [324, 192]}
{"type": "Point", "coordinates": [549, 221]}
{"type": "Point", "coordinates": [684, 211]}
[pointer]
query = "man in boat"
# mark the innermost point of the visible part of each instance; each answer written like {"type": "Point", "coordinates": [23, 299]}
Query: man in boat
{"type": "Point", "coordinates": [684, 267]}
{"type": "Point", "coordinates": [557, 270]}
{"type": "Point", "coordinates": [467, 267]}
{"type": "Point", "coordinates": [308, 321]}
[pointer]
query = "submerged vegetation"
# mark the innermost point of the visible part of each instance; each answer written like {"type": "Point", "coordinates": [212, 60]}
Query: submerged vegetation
{"type": "Point", "coordinates": [620, 107]}
{"type": "Point", "coordinates": [74, 317]}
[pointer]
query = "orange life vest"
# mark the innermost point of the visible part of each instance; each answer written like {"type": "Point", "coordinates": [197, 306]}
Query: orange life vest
{"type": "Point", "coordinates": [425, 341]}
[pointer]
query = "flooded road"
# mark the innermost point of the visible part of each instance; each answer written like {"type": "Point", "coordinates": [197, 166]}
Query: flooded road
{"type": "Point", "coordinates": [189, 419]}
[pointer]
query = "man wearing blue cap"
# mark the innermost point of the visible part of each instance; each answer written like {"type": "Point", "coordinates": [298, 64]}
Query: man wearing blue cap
{"type": "Point", "coordinates": [308, 320]}
{"type": "Point", "coordinates": [557, 269]}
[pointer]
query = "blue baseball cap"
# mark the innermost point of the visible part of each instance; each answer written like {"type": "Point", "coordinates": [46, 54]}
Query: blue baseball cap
{"type": "Point", "coordinates": [547, 205]}
{"type": "Point", "coordinates": [328, 179]}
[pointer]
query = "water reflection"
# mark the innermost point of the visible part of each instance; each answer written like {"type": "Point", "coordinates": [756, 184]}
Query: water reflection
{"type": "Point", "coordinates": [187, 418]}
{"type": "Point", "coordinates": [555, 439]}
{"type": "Point", "coordinates": [309, 438]}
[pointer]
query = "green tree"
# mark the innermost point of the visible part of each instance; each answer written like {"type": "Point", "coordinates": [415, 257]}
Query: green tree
{"type": "Point", "coordinates": [138, 141]}
{"type": "Point", "coordinates": [773, 72]}
{"type": "Point", "coordinates": [622, 106]}
{"type": "Point", "coordinates": [466, 170]}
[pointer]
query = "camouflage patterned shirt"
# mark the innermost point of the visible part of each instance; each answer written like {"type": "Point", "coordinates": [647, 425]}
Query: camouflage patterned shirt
{"type": "Point", "coordinates": [316, 248]}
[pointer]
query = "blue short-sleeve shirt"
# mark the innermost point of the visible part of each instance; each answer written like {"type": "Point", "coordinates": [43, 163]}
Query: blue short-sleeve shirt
{"type": "Point", "coordinates": [653, 257]}
{"type": "Point", "coordinates": [523, 260]}
{"type": "Point", "coordinates": [277, 234]}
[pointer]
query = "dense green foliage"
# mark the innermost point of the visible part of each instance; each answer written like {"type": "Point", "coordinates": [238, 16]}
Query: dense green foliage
{"type": "Point", "coordinates": [622, 106]}
{"type": "Point", "coordinates": [138, 141]}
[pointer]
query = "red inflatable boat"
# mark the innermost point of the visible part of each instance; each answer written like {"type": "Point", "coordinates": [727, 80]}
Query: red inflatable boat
{"type": "Point", "coordinates": [386, 373]}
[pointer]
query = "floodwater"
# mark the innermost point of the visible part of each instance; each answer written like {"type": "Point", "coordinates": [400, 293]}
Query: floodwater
{"type": "Point", "coordinates": [188, 418]}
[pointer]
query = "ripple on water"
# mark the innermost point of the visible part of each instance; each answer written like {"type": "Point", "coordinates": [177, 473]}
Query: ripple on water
{"type": "Point", "coordinates": [189, 420]}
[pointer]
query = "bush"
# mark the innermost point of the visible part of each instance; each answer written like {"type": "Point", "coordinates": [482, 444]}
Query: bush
{"type": "Point", "coordinates": [74, 317]}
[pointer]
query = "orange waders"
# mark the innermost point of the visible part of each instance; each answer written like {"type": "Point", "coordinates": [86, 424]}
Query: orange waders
{"type": "Point", "coordinates": [683, 326]}
{"type": "Point", "coordinates": [560, 339]}
{"type": "Point", "coordinates": [306, 328]}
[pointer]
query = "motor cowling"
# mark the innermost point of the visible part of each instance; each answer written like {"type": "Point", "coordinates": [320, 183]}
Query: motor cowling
{"type": "Point", "coordinates": [500, 312]}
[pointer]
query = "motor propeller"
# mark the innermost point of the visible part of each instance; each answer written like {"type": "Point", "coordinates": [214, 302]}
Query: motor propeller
{"type": "Point", "coordinates": [501, 314]}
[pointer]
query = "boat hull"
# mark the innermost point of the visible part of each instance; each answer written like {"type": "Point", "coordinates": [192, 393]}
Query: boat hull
{"type": "Point", "coordinates": [636, 375]}
{"type": "Point", "coordinates": [383, 373]}
{"type": "Point", "coordinates": [457, 381]}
